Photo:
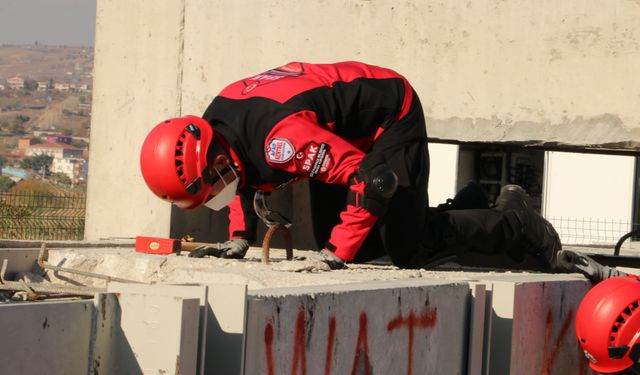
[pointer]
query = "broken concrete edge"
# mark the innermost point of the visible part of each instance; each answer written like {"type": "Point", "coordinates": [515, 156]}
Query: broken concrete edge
{"type": "Point", "coordinates": [26, 244]}
{"type": "Point", "coordinates": [347, 287]}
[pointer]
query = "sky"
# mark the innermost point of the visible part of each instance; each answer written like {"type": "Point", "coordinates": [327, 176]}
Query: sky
{"type": "Point", "coordinates": [53, 22]}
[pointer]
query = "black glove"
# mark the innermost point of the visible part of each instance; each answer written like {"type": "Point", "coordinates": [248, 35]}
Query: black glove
{"type": "Point", "coordinates": [574, 261]}
{"type": "Point", "coordinates": [327, 257]}
{"type": "Point", "coordinates": [232, 249]}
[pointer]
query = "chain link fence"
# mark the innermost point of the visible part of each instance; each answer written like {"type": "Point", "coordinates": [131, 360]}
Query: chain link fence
{"type": "Point", "coordinates": [591, 231]}
{"type": "Point", "coordinates": [42, 216]}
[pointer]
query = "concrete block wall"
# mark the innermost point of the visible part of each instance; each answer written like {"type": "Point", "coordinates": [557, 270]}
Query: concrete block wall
{"type": "Point", "coordinates": [409, 327]}
{"type": "Point", "coordinates": [145, 334]}
{"type": "Point", "coordinates": [46, 337]}
{"type": "Point", "coordinates": [479, 324]}
{"type": "Point", "coordinates": [530, 325]}
{"type": "Point", "coordinates": [198, 292]}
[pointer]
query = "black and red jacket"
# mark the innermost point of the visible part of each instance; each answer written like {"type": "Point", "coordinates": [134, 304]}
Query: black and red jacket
{"type": "Point", "coordinates": [309, 121]}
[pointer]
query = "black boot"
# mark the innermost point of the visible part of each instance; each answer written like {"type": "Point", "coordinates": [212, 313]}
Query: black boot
{"type": "Point", "coordinates": [513, 197]}
{"type": "Point", "coordinates": [536, 235]}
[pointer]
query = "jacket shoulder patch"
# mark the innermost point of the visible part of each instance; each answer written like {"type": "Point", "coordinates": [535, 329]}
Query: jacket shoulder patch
{"type": "Point", "coordinates": [279, 150]}
{"type": "Point", "coordinates": [314, 159]}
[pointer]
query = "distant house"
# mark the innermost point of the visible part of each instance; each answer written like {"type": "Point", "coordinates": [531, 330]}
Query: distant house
{"type": "Point", "coordinates": [75, 168]}
{"type": "Point", "coordinates": [2, 87]}
{"type": "Point", "coordinates": [15, 83]}
{"type": "Point", "coordinates": [59, 138]}
{"type": "Point", "coordinates": [61, 86]}
{"type": "Point", "coordinates": [57, 150]}
{"type": "Point", "coordinates": [24, 143]}
{"type": "Point", "coordinates": [43, 85]}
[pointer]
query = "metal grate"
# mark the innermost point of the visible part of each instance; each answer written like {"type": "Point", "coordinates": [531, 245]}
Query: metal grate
{"type": "Point", "coordinates": [42, 216]}
{"type": "Point", "coordinates": [591, 231]}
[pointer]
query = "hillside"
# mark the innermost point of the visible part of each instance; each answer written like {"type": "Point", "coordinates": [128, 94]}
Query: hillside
{"type": "Point", "coordinates": [39, 62]}
{"type": "Point", "coordinates": [63, 110]}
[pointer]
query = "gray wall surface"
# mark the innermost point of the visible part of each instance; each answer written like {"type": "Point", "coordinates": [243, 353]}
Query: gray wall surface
{"type": "Point", "coordinates": [545, 72]}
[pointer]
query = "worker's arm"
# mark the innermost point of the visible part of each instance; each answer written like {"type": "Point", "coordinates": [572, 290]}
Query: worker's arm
{"type": "Point", "coordinates": [299, 145]}
{"type": "Point", "coordinates": [242, 218]}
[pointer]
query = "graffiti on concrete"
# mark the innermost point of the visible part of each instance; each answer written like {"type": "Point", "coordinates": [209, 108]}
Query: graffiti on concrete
{"type": "Point", "coordinates": [550, 354]}
{"type": "Point", "coordinates": [361, 362]}
{"type": "Point", "coordinates": [426, 320]}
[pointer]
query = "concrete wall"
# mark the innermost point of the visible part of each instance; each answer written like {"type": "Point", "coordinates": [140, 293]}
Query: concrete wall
{"type": "Point", "coordinates": [442, 322]}
{"type": "Point", "coordinates": [38, 338]}
{"type": "Point", "coordinates": [409, 327]}
{"type": "Point", "coordinates": [491, 70]}
{"type": "Point", "coordinates": [589, 198]}
{"type": "Point", "coordinates": [530, 325]}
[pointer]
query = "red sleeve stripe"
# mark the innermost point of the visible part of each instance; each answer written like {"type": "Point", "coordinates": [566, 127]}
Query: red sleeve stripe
{"type": "Point", "coordinates": [408, 98]}
{"type": "Point", "coordinates": [236, 218]}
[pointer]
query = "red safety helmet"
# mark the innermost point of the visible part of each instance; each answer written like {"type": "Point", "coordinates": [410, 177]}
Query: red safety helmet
{"type": "Point", "coordinates": [174, 162]}
{"type": "Point", "coordinates": [608, 324]}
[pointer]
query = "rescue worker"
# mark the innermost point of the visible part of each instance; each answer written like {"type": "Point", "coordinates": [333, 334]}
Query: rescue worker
{"type": "Point", "coordinates": [355, 126]}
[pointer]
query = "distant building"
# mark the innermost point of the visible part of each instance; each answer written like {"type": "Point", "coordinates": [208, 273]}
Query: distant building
{"type": "Point", "coordinates": [43, 85]}
{"type": "Point", "coordinates": [24, 143]}
{"type": "Point", "coordinates": [59, 138]}
{"type": "Point", "coordinates": [57, 150]}
{"type": "Point", "coordinates": [75, 168]}
{"type": "Point", "coordinates": [61, 86]}
{"type": "Point", "coordinates": [15, 83]}
{"type": "Point", "coordinates": [2, 87]}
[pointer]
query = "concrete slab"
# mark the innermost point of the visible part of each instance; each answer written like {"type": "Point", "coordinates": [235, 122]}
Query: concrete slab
{"type": "Point", "coordinates": [400, 327]}
{"type": "Point", "coordinates": [478, 312]}
{"type": "Point", "coordinates": [146, 334]}
{"type": "Point", "coordinates": [531, 326]}
{"type": "Point", "coordinates": [183, 291]}
{"type": "Point", "coordinates": [226, 328]}
{"type": "Point", "coordinates": [45, 337]}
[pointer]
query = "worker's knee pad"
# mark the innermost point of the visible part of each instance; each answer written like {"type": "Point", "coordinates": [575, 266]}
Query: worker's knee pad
{"type": "Point", "coordinates": [371, 188]}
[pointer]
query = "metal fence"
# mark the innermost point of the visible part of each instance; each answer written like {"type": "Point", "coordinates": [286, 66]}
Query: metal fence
{"type": "Point", "coordinates": [42, 216]}
{"type": "Point", "coordinates": [591, 231]}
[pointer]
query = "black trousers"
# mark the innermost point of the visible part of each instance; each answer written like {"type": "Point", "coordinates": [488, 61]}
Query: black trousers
{"type": "Point", "coordinates": [412, 234]}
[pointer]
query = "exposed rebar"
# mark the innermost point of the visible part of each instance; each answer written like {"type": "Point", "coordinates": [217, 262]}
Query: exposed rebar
{"type": "Point", "coordinates": [45, 266]}
{"type": "Point", "coordinates": [42, 288]}
{"type": "Point", "coordinates": [266, 242]}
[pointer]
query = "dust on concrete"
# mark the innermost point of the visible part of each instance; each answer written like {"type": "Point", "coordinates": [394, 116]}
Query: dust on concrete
{"type": "Point", "coordinates": [148, 268]}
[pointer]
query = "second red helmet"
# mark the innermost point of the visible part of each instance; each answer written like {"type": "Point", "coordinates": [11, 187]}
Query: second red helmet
{"type": "Point", "coordinates": [608, 325]}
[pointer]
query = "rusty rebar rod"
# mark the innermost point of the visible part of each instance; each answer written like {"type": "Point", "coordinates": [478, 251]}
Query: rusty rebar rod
{"type": "Point", "coordinates": [42, 288]}
{"type": "Point", "coordinates": [266, 242]}
{"type": "Point", "coordinates": [34, 289]}
{"type": "Point", "coordinates": [45, 266]}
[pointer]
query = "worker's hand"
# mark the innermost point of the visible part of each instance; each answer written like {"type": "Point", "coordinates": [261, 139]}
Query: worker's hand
{"type": "Point", "coordinates": [328, 258]}
{"type": "Point", "coordinates": [232, 249]}
{"type": "Point", "coordinates": [574, 261]}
